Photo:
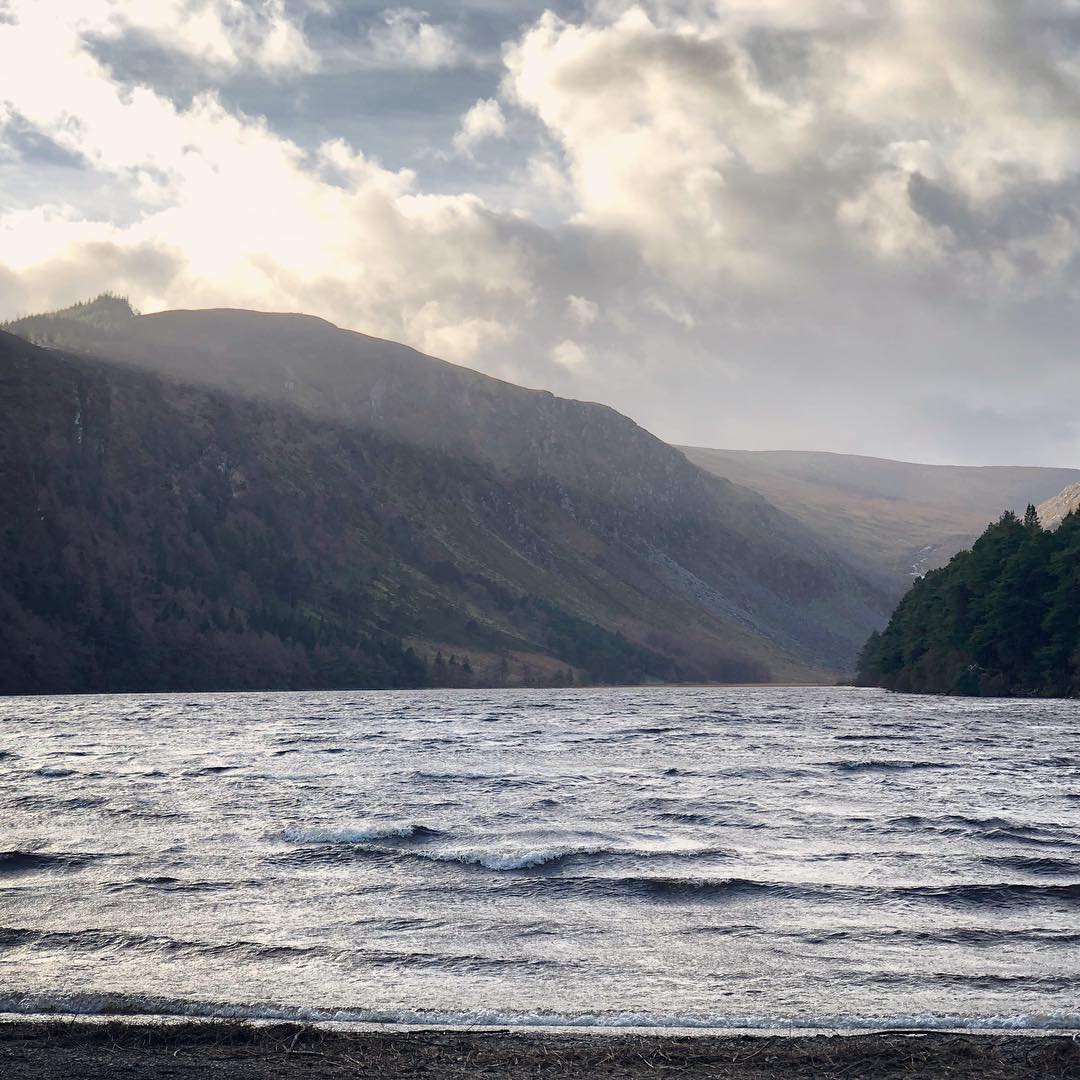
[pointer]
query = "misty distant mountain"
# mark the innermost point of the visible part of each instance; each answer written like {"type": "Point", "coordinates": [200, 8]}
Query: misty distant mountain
{"type": "Point", "coordinates": [902, 518]}
{"type": "Point", "coordinates": [225, 498]}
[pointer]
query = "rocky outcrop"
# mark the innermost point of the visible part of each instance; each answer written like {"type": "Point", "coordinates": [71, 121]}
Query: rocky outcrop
{"type": "Point", "coordinates": [1053, 511]}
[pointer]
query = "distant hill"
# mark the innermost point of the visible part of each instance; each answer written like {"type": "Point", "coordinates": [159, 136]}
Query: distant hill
{"type": "Point", "coordinates": [1000, 619]}
{"type": "Point", "coordinates": [901, 518]}
{"type": "Point", "coordinates": [218, 499]}
{"type": "Point", "coordinates": [1053, 511]}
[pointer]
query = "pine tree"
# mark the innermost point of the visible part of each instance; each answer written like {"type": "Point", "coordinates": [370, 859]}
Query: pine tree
{"type": "Point", "coordinates": [1002, 618]}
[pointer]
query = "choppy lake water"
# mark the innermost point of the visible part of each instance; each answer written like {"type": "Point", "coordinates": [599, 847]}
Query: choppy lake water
{"type": "Point", "coordinates": [667, 857]}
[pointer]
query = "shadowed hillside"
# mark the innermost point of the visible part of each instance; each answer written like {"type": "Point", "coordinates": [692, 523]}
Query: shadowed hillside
{"type": "Point", "coordinates": [900, 517]}
{"type": "Point", "coordinates": [228, 498]}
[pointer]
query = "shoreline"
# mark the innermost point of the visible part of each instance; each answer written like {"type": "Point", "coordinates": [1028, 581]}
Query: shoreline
{"type": "Point", "coordinates": [183, 1049]}
{"type": "Point", "coordinates": [840, 683]}
{"type": "Point", "coordinates": [330, 1024]}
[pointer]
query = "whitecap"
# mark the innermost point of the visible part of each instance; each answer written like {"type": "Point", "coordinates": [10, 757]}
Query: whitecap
{"type": "Point", "coordinates": [496, 859]}
{"type": "Point", "coordinates": [357, 834]}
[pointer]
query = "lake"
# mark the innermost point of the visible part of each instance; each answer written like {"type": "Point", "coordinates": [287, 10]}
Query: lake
{"type": "Point", "coordinates": [653, 857]}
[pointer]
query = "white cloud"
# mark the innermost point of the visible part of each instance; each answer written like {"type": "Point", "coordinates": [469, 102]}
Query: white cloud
{"type": "Point", "coordinates": [485, 120]}
{"type": "Point", "coordinates": [404, 37]}
{"type": "Point", "coordinates": [568, 354]}
{"type": "Point", "coordinates": [236, 215]}
{"type": "Point", "coordinates": [453, 333]}
{"type": "Point", "coordinates": [226, 33]}
{"type": "Point", "coordinates": [740, 142]}
{"type": "Point", "coordinates": [654, 122]}
{"type": "Point", "coordinates": [582, 311]}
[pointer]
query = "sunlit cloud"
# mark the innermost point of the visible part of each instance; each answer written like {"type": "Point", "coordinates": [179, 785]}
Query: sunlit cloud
{"type": "Point", "coordinates": [711, 216]}
{"type": "Point", "coordinates": [485, 120]}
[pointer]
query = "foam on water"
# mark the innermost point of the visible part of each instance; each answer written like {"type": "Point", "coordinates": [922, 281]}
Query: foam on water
{"type": "Point", "coordinates": [106, 1005]}
{"type": "Point", "coordinates": [357, 834]}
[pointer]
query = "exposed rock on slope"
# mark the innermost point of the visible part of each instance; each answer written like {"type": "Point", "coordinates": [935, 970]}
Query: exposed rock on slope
{"type": "Point", "coordinates": [225, 498]}
{"type": "Point", "coordinates": [1055, 510]}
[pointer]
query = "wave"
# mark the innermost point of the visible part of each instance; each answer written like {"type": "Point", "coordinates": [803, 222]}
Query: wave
{"type": "Point", "coordinates": [499, 780]}
{"type": "Point", "coordinates": [888, 765]}
{"type": "Point", "coordinates": [667, 887]}
{"type": "Point", "coordinates": [709, 889]}
{"type": "Point", "coordinates": [165, 883]}
{"type": "Point", "coordinates": [26, 862]}
{"type": "Point", "coordinates": [101, 1004]}
{"type": "Point", "coordinates": [493, 859]}
{"type": "Point", "coordinates": [1035, 864]}
{"type": "Point", "coordinates": [361, 834]}
{"type": "Point", "coordinates": [329, 845]}
{"type": "Point", "coordinates": [868, 737]}
{"type": "Point", "coordinates": [990, 828]}
{"type": "Point", "coordinates": [486, 857]}
{"type": "Point", "coordinates": [97, 940]}
{"type": "Point", "coordinates": [976, 936]}
{"type": "Point", "coordinates": [1034, 837]}
{"type": "Point", "coordinates": [91, 941]}
{"type": "Point", "coordinates": [1045, 984]}
{"type": "Point", "coordinates": [53, 802]}
{"type": "Point", "coordinates": [1005, 894]}
{"type": "Point", "coordinates": [686, 818]}
{"type": "Point", "coordinates": [365, 841]}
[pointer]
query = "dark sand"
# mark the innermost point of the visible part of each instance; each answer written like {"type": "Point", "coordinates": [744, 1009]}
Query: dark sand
{"type": "Point", "coordinates": [123, 1051]}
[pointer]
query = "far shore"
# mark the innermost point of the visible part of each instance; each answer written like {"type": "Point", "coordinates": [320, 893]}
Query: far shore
{"type": "Point", "coordinates": [452, 689]}
{"type": "Point", "coordinates": [77, 1049]}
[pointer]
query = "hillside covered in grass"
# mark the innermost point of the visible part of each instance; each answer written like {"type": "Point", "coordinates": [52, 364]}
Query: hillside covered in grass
{"type": "Point", "coordinates": [897, 516]}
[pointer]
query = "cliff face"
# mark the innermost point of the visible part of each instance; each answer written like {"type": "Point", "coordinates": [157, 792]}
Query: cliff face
{"type": "Point", "coordinates": [223, 498]}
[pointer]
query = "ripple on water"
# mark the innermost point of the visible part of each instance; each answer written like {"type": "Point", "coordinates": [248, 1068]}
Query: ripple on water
{"type": "Point", "coordinates": [594, 856]}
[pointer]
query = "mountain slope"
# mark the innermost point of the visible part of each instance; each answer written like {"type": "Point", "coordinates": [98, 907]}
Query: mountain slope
{"type": "Point", "coordinates": [900, 517]}
{"type": "Point", "coordinates": [254, 485]}
{"type": "Point", "coordinates": [1053, 511]}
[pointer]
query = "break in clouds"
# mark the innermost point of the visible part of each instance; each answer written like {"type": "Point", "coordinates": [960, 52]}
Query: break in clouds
{"type": "Point", "coordinates": [824, 224]}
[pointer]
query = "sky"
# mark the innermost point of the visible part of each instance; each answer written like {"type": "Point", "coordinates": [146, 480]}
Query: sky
{"type": "Point", "coordinates": [848, 225]}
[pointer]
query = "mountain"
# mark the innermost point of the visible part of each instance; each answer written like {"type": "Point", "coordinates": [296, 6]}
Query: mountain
{"type": "Point", "coordinates": [898, 517]}
{"type": "Point", "coordinates": [81, 323]}
{"type": "Point", "coordinates": [1053, 511]}
{"type": "Point", "coordinates": [230, 499]}
{"type": "Point", "coordinates": [1000, 619]}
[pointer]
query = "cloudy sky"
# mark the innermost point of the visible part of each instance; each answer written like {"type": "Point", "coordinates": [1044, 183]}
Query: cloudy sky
{"type": "Point", "coordinates": [848, 225]}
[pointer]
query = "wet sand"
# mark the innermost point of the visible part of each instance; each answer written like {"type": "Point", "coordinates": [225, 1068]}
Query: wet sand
{"type": "Point", "coordinates": [185, 1051]}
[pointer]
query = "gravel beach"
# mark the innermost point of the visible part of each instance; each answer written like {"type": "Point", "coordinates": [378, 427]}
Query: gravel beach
{"type": "Point", "coordinates": [32, 1050]}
